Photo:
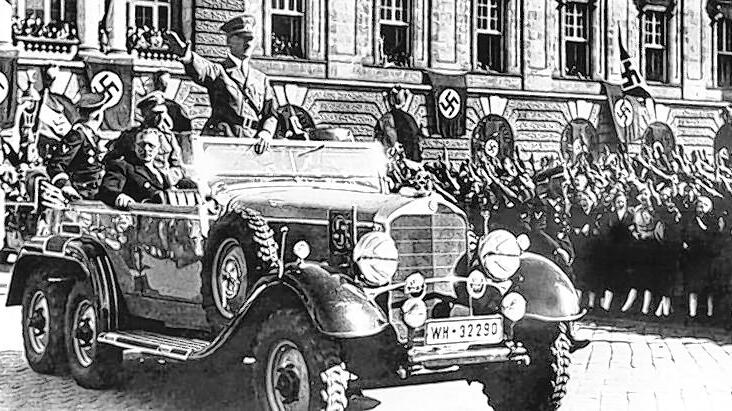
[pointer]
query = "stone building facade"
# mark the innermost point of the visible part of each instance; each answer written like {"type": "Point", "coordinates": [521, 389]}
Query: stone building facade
{"type": "Point", "coordinates": [534, 72]}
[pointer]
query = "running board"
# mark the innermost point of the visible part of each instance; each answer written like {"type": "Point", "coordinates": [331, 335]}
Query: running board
{"type": "Point", "coordinates": [177, 348]}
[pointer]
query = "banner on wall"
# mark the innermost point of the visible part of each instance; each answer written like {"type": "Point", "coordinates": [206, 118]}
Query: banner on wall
{"type": "Point", "coordinates": [113, 79]}
{"type": "Point", "coordinates": [450, 94]}
{"type": "Point", "coordinates": [8, 90]}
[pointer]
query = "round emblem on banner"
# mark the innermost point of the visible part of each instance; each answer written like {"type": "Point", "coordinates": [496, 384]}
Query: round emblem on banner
{"type": "Point", "coordinates": [623, 112]}
{"type": "Point", "coordinates": [4, 87]}
{"type": "Point", "coordinates": [449, 103]}
{"type": "Point", "coordinates": [110, 84]}
{"type": "Point", "coordinates": [491, 148]}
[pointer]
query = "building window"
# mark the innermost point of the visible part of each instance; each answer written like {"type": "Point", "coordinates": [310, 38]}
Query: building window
{"type": "Point", "coordinates": [288, 23]}
{"type": "Point", "coordinates": [151, 14]}
{"type": "Point", "coordinates": [489, 25]}
{"type": "Point", "coordinates": [576, 33]}
{"type": "Point", "coordinates": [55, 19]}
{"type": "Point", "coordinates": [393, 32]}
{"type": "Point", "coordinates": [654, 44]}
{"type": "Point", "coordinates": [724, 52]}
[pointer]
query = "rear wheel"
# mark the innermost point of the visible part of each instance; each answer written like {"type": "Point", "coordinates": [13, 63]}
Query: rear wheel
{"type": "Point", "coordinates": [43, 324]}
{"type": "Point", "coordinates": [93, 365]}
{"type": "Point", "coordinates": [297, 368]}
{"type": "Point", "coordinates": [540, 386]}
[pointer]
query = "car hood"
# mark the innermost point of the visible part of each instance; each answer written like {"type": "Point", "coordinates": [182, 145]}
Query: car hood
{"type": "Point", "coordinates": [315, 202]}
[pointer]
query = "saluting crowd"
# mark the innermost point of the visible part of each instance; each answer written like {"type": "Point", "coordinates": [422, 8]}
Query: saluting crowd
{"type": "Point", "coordinates": [648, 234]}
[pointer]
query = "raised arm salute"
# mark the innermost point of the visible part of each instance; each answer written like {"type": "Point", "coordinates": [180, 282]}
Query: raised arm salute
{"type": "Point", "coordinates": [242, 100]}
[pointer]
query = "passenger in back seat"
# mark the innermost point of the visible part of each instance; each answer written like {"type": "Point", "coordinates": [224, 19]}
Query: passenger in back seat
{"type": "Point", "coordinates": [134, 178]}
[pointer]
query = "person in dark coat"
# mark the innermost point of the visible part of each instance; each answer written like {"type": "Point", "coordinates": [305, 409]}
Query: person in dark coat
{"type": "Point", "coordinates": [398, 126]}
{"type": "Point", "coordinates": [583, 227]}
{"type": "Point", "coordinates": [699, 237]}
{"type": "Point", "coordinates": [242, 100]}
{"type": "Point", "coordinates": [133, 179]}
{"type": "Point", "coordinates": [181, 122]}
{"type": "Point", "coordinates": [75, 164]}
{"type": "Point", "coordinates": [154, 115]}
{"type": "Point", "coordinates": [615, 228]}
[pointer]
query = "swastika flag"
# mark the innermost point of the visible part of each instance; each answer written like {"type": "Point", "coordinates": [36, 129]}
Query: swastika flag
{"type": "Point", "coordinates": [450, 97]}
{"type": "Point", "coordinates": [8, 90]}
{"type": "Point", "coordinates": [114, 80]}
{"type": "Point", "coordinates": [633, 82]}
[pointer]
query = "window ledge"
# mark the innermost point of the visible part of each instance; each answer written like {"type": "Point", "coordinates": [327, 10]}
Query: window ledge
{"type": "Point", "coordinates": [575, 78]}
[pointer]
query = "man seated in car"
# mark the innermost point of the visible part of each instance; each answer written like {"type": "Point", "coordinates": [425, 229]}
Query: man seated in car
{"type": "Point", "coordinates": [134, 178]}
{"type": "Point", "coordinates": [154, 115]}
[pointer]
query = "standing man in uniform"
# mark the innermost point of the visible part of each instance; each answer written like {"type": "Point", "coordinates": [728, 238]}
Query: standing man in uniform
{"type": "Point", "coordinates": [75, 165]}
{"type": "Point", "coordinates": [242, 100]}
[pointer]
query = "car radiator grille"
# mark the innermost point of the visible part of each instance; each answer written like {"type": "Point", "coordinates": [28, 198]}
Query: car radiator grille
{"type": "Point", "coordinates": [431, 245]}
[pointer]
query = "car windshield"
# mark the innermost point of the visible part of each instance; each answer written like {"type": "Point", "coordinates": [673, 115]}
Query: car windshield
{"type": "Point", "coordinates": [235, 161]}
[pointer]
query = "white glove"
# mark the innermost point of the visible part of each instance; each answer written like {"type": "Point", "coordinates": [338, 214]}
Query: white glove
{"type": "Point", "coordinates": [124, 201]}
{"type": "Point", "coordinates": [70, 193]}
{"type": "Point", "coordinates": [265, 138]}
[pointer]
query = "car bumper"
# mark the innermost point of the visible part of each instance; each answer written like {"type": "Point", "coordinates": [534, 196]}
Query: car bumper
{"type": "Point", "coordinates": [435, 357]}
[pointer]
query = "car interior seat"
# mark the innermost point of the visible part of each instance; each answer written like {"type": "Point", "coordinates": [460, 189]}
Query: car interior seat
{"type": "Point", "coordinates": [189, 198]}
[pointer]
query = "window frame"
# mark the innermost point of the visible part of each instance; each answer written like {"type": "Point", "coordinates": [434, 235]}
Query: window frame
{"type": "Point", "coordinates": [718, 53]}
{"type": "Point", "coordinates": [489, 31]}
{"type": "Point", "coordinates": [290, 13]}
{"type": "Point", "coordinates": [565, 39]}
{"type": "Point", "coordinates": [46, 9]}
{"type": "Point", "coordinates": [155, 5]}
{"type": "Point", "coordinates": [406, 23]}
{"type": "Point", "coordinates": [664, 37]}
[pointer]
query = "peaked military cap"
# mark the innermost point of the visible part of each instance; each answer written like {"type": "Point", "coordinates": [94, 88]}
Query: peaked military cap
{"type": "Point", "coordinates": [152, 101]}
{"type": "Point", "coordinates": [91, 100]}
{"type": "Point", "coordinates": [241, 25]}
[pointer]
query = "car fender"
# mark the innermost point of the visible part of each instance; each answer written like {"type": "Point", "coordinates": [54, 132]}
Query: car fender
{"type": "Point", "coordinates": [550, 294]}
{"type": "Point", "coordinates": [337, 306]}
{"type": "Point", "coordinates": [73, 258]}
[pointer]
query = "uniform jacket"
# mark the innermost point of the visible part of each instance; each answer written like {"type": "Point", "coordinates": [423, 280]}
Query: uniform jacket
{"type": "Point", "coordinates": [399, 126]}
{"type": "Point", "coordinates": [77, 160]}
{"type": "Point", "coordinates": [133, 178]}
{"type": "Point", "coordinates": [241, 103]}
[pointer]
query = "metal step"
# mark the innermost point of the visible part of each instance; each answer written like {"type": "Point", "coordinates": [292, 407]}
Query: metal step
{"type": "Point", "coordinates": [178, 348]}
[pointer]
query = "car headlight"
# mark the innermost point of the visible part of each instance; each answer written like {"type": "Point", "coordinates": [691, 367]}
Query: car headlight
{"type": "Point", "coordinates": [500, 253]}
{"type": "Point", "coordinates": [513, 306]}
{"type": "Point", "coordinates": [376, 256]}
{"type": "Point", "coordinates": [414, 312]}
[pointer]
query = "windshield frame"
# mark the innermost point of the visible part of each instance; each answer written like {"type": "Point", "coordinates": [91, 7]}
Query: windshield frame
{"type": "Point", "coordinates": [374, 182]}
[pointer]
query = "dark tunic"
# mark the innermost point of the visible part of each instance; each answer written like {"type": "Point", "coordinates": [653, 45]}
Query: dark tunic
{"type": "Point", "coordinates": [616, 243]}
{"type": "Point", "coordinates": [133, 178]}
{"type": "Point", "coordinates": [700, 237]}
{"type": "Point", "coordinates": [76, 161]}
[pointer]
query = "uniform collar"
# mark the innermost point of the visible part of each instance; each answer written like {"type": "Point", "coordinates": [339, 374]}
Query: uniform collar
{"type": "Point", "coordinates": [239, 64]}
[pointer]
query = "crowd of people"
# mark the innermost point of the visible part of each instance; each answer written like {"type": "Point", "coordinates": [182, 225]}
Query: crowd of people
{"type": "Point", "coordinates": [145, 38]}
{"type": "Point", "coordinates": [33, 26]}
{"type": "Point", "coordinates": [648, 234]}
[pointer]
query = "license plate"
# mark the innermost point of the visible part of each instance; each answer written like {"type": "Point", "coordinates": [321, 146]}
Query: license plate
{"type": "Point", "coordinates": [486, 330]}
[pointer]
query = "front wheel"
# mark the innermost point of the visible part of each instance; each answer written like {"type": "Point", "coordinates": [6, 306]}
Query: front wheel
{"type": "Point", "coordinates": [540, 386]}
{"type": "Point", "coordinates": [297, 368]}
{"type": "Point", "coordinates": [93, 365]}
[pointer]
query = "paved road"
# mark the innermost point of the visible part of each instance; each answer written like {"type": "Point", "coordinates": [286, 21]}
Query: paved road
{"type": "Point", "coordinates": [628, 366]}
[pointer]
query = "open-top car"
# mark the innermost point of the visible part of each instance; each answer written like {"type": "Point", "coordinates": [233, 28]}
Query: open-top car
{"type": "Point", "coordinates": [301, 254]}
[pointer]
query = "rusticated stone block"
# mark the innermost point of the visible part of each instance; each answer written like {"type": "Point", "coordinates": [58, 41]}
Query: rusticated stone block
{"type": "Point", "coordinates": [235, 5]}
{"type": "Point", "coordinates": [216, 14]}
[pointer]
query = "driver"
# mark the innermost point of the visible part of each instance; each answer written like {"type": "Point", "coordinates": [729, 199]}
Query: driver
{"type": "Point", "coordinates": [134, 178]}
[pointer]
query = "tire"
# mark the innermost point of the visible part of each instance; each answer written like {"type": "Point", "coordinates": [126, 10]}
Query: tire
{"type": "Point", "coordinates": [43, 324]}
{"type": "Point", "coordinates": [297, 366]}
{"type": "Point", "coordinates": [243, 242]}
{"type": "Point", "coordinates": [92, 365]}
{"type": "Point", "coordinates": [540, 386]}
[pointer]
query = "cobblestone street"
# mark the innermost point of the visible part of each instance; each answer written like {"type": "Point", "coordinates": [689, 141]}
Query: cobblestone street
{"type": "Point", "coordinates": [628, 366]}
